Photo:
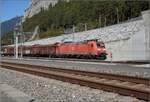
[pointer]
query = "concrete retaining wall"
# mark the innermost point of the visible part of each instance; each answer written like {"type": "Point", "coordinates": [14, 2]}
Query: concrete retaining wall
{"type": "Point", "coordinates": [146, 19]}
{"type": "Point", "coordinates": [137, 46]}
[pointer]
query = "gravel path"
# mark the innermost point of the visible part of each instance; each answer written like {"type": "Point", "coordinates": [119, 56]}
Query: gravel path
{"type": "Point", "coordinates": [49, 90]}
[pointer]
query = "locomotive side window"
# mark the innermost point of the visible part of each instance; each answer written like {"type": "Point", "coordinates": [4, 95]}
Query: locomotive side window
{"type": "Point", "coordinates": [98, 45]}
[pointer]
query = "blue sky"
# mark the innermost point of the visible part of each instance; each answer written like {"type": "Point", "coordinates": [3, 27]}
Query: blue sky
{"type": "Point", "coordinates": [12, 8]}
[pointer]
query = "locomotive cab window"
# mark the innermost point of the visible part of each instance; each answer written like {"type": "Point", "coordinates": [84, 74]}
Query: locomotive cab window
{"type": "Point", "coordinates": [100, 45]}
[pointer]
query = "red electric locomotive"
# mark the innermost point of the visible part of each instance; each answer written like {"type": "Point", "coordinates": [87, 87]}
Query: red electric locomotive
{"type": "Point", "coordinates": [86, 49]}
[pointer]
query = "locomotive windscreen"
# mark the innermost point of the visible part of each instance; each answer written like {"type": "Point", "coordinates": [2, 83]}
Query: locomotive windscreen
{"type": "Point", "coordinates": [100, 44]}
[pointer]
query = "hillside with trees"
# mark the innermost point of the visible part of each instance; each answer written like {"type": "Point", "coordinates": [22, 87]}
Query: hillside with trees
{"type": "Point", "coordinates": [92, 13]}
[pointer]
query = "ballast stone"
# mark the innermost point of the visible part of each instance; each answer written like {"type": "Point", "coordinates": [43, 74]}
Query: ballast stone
{"type": "Point", "coordinates": [9, 94]}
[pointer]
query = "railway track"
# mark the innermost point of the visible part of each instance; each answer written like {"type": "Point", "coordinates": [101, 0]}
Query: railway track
{"type": "Point", "coordinates": [125, 85]}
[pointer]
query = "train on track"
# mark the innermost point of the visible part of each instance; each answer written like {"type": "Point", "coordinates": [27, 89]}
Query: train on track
{"type": "Point", "coordinates": [90, 49]}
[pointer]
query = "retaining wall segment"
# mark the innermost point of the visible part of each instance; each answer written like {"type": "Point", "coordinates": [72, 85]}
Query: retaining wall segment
{"type": "Point", "coordinates": [9, 94]}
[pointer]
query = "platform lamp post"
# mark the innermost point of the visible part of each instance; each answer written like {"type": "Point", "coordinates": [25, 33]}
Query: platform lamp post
{"type": "Point", "coordinates": [16, 41]}
{"type": "Point", "coordinates": [22, 39]}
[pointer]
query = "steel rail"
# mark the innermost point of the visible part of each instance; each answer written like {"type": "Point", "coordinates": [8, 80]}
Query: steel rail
{"type": "Point", "coordinates": [82, 78]}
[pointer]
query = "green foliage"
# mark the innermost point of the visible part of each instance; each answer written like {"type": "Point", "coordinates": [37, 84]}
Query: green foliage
{"type": "Point", "coordinates": [85, 11]}
{"type": "Point", "coordinates": [51, 33]}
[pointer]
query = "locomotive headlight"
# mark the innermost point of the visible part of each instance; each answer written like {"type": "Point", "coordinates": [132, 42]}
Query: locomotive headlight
{"type": "Point", "coordinates": [104, 49]}
{"type": "Point", "coordinates": [99, 49]}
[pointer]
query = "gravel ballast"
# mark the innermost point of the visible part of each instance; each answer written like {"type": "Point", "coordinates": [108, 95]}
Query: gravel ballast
{"type": "Point", "coordinates": [50, 90]}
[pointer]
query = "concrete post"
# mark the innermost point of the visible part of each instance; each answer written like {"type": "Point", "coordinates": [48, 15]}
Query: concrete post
{"type": "Point", "coordinates": [117, 15]}
{"type": "Point", "coordinates": [146, 18]}
{"type": "Point", "coordinates": [14, 43]}
{"type": "Point", "coordinates": [73, 33]}
{"type": "Point", "coordinates": [16, 46]}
